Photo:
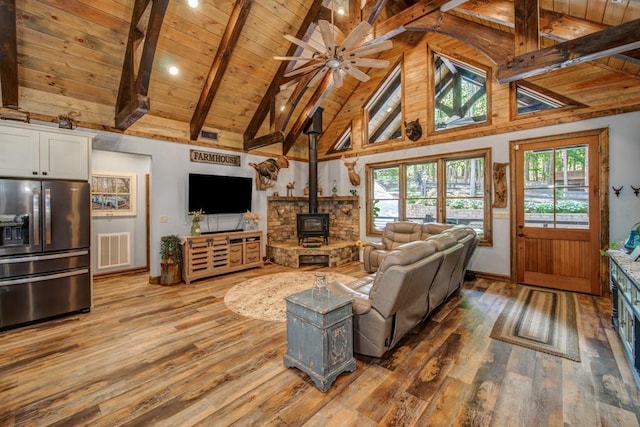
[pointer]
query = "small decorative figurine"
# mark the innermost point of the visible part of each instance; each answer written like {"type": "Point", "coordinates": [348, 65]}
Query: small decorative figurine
{"type": "Point", "coordinates": [290, 187]}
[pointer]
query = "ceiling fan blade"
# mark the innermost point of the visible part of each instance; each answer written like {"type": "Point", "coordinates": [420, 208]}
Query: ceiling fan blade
{"type": "Point", "coordinates": [356, 35]}
{"type": "Point", "coordinates": [337, 77]}
{"type": "Point", "coordinates": [354, 72]}
{"type": "Point", "coordinates": [369, 49]}
{"type": "Point", "coordinates": [369, 63]}
{"type": "Point", "coordinates": [312, 46]}
{"type": "Point", "coordinates": [319, 75]}
{"type": "Point", "coordinates": [326, 31]}
{"type": "Point", "coordinates": [293, 58]}
{"type": "Point", "coordinates": [304, 69]}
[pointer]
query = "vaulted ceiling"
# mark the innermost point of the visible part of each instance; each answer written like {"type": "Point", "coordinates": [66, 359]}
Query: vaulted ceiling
{"type": "Point", "coordinates": [105, 62]}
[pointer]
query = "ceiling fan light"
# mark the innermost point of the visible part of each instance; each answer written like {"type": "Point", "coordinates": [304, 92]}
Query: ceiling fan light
{"type": "Point", "coordinates": [333, 63]}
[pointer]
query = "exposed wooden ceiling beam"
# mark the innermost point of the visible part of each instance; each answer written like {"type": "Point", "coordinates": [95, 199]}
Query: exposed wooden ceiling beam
{"type": "Point", "coordinates": [8, 54]}
{"type": "Point", "coordinates": [552, 25]}
{"type": "Point", "coordinates": [526, 19]}
{"type": "Point", "coordinates": [228, 42]}
{"type": "Point", "coordinates": [451, 5]}
{"type": "Point", "coordinates": [495, 44]}
{"type": "Point", "coordinates": [133, 102]}
{"type": "Point", "coordinates": [376, 10]}
{"type": "Point", "coordinates": [586, 48]}
{"type": "Point", "coordinates": [272, 90]}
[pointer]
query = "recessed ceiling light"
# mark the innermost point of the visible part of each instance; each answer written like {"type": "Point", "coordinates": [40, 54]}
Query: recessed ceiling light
{"type": "Point", "coordinates": [173, 70]}
{"type": "Point", "coordinates": [193, 3]}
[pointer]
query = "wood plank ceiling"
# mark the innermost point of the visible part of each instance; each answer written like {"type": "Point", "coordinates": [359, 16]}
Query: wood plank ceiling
{"type": "Point", "coordinates": [105, 61]}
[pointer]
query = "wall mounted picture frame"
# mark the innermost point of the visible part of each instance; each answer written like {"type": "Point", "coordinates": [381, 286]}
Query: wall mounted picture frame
{"type": "Point", "coordinates": [113, 194]}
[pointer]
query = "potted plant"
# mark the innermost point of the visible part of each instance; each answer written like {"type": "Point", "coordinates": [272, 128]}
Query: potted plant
{"type": "Point", "coordinates": [171, 260]}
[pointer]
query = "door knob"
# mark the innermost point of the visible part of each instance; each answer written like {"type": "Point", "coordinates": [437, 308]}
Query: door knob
{"type": "Point", "coordinates": [520, 234]}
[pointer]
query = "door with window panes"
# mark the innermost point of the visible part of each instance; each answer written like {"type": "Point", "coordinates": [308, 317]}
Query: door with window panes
{"type": "Point", "coordinates": [558, 213]}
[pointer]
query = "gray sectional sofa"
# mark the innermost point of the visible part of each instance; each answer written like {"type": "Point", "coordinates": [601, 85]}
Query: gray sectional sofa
{"type": "Point", "coordinates": [412, 280]}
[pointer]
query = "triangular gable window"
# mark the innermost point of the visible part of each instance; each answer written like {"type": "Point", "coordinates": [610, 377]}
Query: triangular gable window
{"type": "Point", "coordinates": [530, 100]}
{"type": "Point", "coordinates": [384, 110]}
{"type": "Point", "coordinates": [343, 143]}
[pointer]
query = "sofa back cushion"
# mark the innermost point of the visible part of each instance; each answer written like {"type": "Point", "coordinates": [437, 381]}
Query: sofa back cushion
{"type": "Point", "coordinates": [398, 233]}
{"type": "Point", "coordinates": [433, 228]}
{"type": "Point", "coordinates": [399, 276]}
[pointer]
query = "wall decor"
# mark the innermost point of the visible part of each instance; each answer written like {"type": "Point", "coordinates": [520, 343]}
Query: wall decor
{"type": "Point", "coordinates": [214, 158]}
{"type": "Point", "coordinates": [500, 185]}
{"type": "Point", "coordinates": [113, 194]}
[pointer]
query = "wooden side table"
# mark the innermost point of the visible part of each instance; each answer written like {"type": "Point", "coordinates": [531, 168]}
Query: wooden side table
{"type": "Point", "coordinates": [319, 335]}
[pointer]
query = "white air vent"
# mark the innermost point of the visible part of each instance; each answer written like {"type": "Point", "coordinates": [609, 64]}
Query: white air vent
{"type": "Point", "coordinates": [113, 250]}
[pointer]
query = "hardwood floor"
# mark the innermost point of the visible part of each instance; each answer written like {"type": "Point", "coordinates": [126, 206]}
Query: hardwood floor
{"type": "Point", "coordinates": [176, 356]}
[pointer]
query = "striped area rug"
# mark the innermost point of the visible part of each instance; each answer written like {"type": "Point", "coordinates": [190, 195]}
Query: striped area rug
{"type": "Point", "coordinates": [540, 319]}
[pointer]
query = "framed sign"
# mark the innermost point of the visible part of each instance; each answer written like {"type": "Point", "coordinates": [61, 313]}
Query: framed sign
{"type": "Point", "coordinates": [113, 194]}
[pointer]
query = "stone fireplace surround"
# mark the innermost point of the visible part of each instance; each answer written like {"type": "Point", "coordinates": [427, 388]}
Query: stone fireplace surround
{"type": "Point", "coordinates": [344, 229]}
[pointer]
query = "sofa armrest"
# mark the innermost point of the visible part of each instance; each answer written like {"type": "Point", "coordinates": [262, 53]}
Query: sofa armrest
{"type": "Point", "coordinates": [375, 245]}
{"type": "Point", "coordinates": [360, 303]}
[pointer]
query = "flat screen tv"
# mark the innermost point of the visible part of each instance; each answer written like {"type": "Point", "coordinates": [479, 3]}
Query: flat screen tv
{"type": "Point", "coordinates": [219, 194]}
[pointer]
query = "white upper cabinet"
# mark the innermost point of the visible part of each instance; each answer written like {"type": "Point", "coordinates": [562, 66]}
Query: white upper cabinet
{"type": "Point", "coordinates": [30, 151]}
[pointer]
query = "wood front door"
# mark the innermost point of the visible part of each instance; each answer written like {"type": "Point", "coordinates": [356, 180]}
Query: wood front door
{"type": "Point", "coordinates": [558, 211]}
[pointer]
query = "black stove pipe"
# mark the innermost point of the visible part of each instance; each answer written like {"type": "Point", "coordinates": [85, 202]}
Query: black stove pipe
{"type": "Point", "coordinates": [313, 129]}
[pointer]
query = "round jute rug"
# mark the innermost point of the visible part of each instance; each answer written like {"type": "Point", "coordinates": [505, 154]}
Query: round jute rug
{"type": "Point", "coordinates": [263, 297]}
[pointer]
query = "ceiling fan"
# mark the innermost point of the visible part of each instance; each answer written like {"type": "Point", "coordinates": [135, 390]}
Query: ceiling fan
{"type": "Point", "coordinates": [337, 58]}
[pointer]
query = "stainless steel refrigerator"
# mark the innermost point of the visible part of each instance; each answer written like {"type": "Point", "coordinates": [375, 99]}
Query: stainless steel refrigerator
{"type": "Point", "coordinates": [44, 249]}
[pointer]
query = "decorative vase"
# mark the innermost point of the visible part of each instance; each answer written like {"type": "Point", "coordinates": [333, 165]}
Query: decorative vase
{"type": "Point", "coordinates": [195, 227]}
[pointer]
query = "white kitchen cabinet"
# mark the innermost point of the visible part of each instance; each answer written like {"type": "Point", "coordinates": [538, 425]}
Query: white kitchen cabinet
{"type": "Point", "coordinates": [31, 151]}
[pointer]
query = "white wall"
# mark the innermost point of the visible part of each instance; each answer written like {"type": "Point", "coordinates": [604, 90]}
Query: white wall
{"type": "Point", "coordinates": [170, 166]}
{"type": "Point", "coordinates": [138, 165]}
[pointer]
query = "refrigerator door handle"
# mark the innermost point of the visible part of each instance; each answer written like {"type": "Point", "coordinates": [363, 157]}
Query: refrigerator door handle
{"type": "Point", "coordinates": [47, 216]}
{"type": "Point", "coordinates": [43, 278]}
{"type": "Point", "coordinates": [36, 216]}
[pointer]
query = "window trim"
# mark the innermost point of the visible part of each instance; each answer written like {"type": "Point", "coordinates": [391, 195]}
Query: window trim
{"type": "Point", "coordinates": [569, 104]}
{"type": "Point", "coordinates": [431, 122]}
{"type": "Point", "coordinates": [365, 111]}
{"type": "Point", "coordinates": [344, 135]}
{"type": "Point", "coordinates": [440, 159]}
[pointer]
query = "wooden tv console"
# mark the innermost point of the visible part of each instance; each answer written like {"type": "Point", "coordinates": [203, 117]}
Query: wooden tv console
{"type": "Point", "coordinates": [219, 253]}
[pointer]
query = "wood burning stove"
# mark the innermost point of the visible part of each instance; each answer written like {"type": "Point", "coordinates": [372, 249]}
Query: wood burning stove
{"type": "Point", "coordinates": [313, 225]}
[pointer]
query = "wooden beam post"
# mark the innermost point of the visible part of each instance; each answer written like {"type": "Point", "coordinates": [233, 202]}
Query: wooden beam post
{"type": "Point", "coordinates": [607, 42]}
{"type": "Point", "coordinates": [8, 54]}
{"type": "Point", "coordinates": [228, 42]}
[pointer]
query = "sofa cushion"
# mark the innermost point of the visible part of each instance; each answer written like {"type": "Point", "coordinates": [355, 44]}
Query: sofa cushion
{"type": "Point", "coordinates": [406, 254]}
{"type": "Point", "coordinates": [442, 241]}
{"type": "Point", "coordinates": [433, 228]}
{"type": "Point", "coordinates": [398, 233]}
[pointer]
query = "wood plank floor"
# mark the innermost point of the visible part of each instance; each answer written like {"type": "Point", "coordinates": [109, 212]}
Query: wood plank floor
{"type": "Point", "coordinates": [176, 356]}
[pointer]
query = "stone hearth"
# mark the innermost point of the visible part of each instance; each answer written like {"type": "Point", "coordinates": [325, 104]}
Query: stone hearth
{"type": "Point", "coordinates": [331, 255]}
{"type": "Point", "coordinates": [344, 229]}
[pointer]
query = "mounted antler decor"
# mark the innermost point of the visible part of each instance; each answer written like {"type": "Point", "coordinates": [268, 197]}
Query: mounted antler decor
{"type": "Point", "coordinates": [636, 191]}
{"type": "Point", "coordinates": [354, 178]}
{"type": "Point", "coordinates": [617, 190]}
{"type": "Point", "coordinates": [267, 171]}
